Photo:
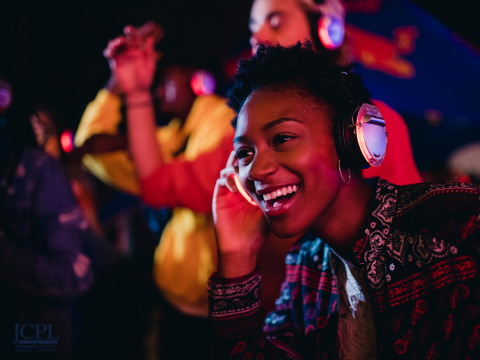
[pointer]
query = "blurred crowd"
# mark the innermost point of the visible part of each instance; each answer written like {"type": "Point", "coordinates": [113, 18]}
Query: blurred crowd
{"type": "Point", "coordinates": [107, 232]}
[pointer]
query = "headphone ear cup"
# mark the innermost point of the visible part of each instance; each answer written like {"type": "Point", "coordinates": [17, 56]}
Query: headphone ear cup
{"type": "Point", "coordinates": [331, 31]}
{"type": "Point", "coordinates": [346, 142]}
{"type": "Point", "coordinates": [202, 83]}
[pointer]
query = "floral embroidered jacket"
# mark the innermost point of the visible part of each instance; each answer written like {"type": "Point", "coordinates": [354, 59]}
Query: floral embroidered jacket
{"type": "Point", "coordinates": [419, 257]}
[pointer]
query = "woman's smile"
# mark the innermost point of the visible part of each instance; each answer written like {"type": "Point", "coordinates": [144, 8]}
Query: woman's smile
{"type": "Point", "coordinates": [287, 158]}
{"type": "Point", "coordinates": [276, 200]}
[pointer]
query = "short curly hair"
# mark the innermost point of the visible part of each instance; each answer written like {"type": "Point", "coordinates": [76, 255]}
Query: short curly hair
{"type": "Point", "coordinates": [295, 68]}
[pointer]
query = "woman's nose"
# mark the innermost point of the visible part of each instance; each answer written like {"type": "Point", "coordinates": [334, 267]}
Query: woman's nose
{"type": "Point", "coordinates": [261, 167]}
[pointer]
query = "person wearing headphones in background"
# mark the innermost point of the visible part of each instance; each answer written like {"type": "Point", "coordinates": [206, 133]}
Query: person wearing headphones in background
{"type": "Point", "coordinates": [286, 22]}
{"type": "Point", "coordinates": [173, 166]}
{"type": "Point", "coordinates": [382, 271]}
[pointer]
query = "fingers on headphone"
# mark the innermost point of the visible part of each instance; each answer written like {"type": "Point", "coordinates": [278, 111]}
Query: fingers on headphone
{"type": "Point", "coordinates": [229, 173]}
{"type": "Point", "coordinates": [232, 159]}
{"type": "Point", "coordinates": [227, 179]}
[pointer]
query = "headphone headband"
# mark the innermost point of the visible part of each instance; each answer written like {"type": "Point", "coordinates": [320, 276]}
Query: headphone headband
{"type": "Point", "coordinates": [349, 87]}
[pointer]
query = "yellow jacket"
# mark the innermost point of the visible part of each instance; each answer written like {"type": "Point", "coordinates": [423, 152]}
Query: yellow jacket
{"type": "Point", "coordinates": [186, 255]}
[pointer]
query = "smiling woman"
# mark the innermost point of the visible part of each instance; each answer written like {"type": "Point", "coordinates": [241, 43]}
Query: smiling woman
{"type": "Point", "coordinates": [285, 147]}
{"type": "Point", "coordinates": [278, 147]}
{"type": "Point", "coordinates": [379, 262]}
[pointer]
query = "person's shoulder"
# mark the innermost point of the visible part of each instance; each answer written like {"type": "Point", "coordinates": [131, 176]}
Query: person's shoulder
{"type": "Point", "coordinates": [214, 113]}
{"type": "Point", "coordinates": [39, 162]}
{"type": "Point", "coordinates": [214, 102]}
{"type": "Point", "coordinates": [383, 106]}
{"type": "Point", "coordinates": [209, 101]}
{"type": "Point", "coordinates": [437, 198]}
{"type": "Point", "coordinates": [36, 157]}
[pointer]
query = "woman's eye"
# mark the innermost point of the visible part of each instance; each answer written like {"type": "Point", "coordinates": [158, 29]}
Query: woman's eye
{"type": "Point", "coordinates": [281, 139]}
{"type": "Point", "coordinates": [243, 153]}
{"type": "Point", "coordinates": [275, 21]}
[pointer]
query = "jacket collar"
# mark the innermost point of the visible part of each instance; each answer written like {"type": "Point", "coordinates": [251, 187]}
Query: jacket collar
{"type": "Point", "coordinates": [369, 251]}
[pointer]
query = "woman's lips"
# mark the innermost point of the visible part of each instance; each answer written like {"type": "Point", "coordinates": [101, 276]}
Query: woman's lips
{"type": "Point", "coordinates": [278, 202]}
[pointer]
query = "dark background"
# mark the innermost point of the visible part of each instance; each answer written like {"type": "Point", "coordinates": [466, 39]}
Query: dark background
{"type": "Point", "coordinates": [55, 48]}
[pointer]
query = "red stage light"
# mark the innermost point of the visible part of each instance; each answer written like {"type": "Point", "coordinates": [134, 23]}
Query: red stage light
{"type": "Point", "coordinates": [66, 140]}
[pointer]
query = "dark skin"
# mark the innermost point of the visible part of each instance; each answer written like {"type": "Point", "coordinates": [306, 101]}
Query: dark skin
{"type": "Point", "coordinates": [175, 93]}
{"type": "Point", "coordinates": [283, 140]}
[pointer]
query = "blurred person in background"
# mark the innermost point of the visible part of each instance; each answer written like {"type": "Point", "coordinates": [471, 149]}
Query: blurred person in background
{"type": "Point", "coordinates": [173, 166]}
{"type": "Point", "coordinates": [45, 122]}
{"type": "Point", "coordinates": [45, 131]}
{"type": "Point", "coordinates": [43, 267]}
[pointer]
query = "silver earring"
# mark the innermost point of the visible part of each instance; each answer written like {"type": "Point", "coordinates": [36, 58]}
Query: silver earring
{"type": "Point", "coordinates": [340, 171]}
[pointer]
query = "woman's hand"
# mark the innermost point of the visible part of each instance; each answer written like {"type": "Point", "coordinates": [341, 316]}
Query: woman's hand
{"type": "Point", "coordinates": [241, 228]}
{"type": "Point", "coordinates": [132, 59]}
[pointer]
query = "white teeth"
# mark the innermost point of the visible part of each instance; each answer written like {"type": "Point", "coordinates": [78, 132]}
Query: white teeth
{"type": "Point", "coordinates": [280, 192]}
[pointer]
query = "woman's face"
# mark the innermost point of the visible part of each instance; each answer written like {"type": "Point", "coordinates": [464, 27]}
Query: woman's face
{"type": "Point", "coordinates": [287, 159]}
{"type": "Point", "coordinates": [278, 22]}
{"type": "Point", "coordinates": [174, 91]}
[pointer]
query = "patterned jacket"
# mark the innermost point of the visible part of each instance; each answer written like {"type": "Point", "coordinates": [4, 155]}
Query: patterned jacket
{"type": "Point", "coordinates": [419, 257]}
